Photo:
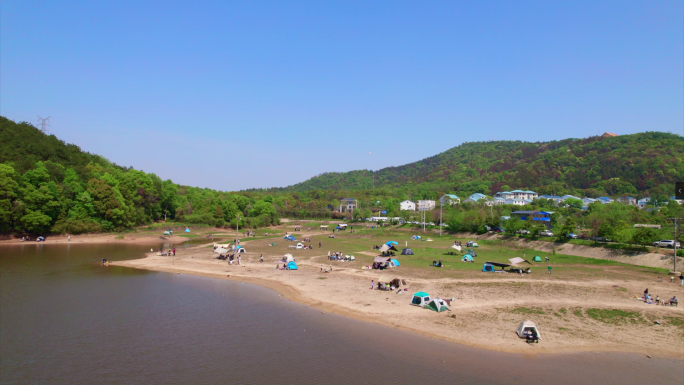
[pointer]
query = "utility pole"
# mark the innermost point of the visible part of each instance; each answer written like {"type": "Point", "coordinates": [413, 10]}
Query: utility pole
{"type": "Point", "coordinates": [237, 228]}
{"type": "Point", "coordinates": [440, 219]}
{"type": "Point", "coordinates": [675, 243]}
{"type": "Point", "coordinates": [44, 124]}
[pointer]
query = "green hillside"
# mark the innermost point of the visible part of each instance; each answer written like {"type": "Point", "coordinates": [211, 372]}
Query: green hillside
{"type": "Point", "coordinates": [635, 164]}
{"type": "Point", "coordinates": [48, 186]}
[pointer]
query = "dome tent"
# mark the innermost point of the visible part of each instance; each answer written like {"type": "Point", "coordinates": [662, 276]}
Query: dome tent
{"type": "Point", "coordinates": [406, 252]}
{"type": "Point", "coordinates": [395, 262]}
{"type": "Point", "coordinates": [291, 265]}
{"type": "Point", "coordinates": [467, 258]}
{"type": "Point", "coordinates": [528, 327]}
{"type": "Point", "coordinates": [288, 258]}
{"type": "Point", "coordinates": [438, 305]}
{"type": "Point", "coordinates": [536, 259]}
{"type": "Point", "coordinates": [420, 298]}
{"type": "Point", "coordinates": [488, 268]}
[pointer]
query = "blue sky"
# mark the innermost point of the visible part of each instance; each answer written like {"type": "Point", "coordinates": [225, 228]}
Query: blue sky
{"type": "Point", "coordinates": [234, 95]}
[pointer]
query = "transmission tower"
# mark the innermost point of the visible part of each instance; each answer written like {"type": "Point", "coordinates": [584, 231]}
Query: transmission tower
{"type": "Point", "coordinates": [44, 124]}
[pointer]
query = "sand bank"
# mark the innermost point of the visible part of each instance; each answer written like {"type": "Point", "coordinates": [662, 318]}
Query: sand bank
{"type": "Point", "coordinates": [484, 313]}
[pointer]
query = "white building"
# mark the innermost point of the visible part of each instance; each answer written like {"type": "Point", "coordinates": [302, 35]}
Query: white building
{"type": "Point", "coordinates": [407, 206]}
{"type": "Point", "coordinates": [517, 194]}
{"type": "Point", "coordinates": [449, 199]}
{"type": "Point", "coordinates": [426, 205]}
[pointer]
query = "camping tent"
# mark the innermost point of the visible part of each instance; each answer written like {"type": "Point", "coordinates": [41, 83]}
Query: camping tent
{"type": "Point", "coordinates": [536, 258]}
{"type": "Point", "coordinates": [467, 258]}
{"type": "Point", "coordinates": [395, 262]}
{"type": "Point", "coordinates": [291, 265]}
{"type": "Point", "coordinates": [300, 246]}
{"type": "Point", "coordinates": [288, 258]}
{"type": "Point", "coordinates": [289, 237]}
{"type": "Point", "coordinates": [220, 250]}
{"type": "Point", "coordinates": [241, 250]}
{"type": "Point", "coordinates": [472, 252]}
{"type": "Point", "coordinates": [527, 326]}
{"type": "Point", "coordinates": [415, 237]}
{"type": "Point", "coordinates": [489, 266]}
{"type": "Point", "coordinates": [187, 230]}
{"type": "Point", "coordinates": [420, 298]}
{"type": "Point", "coordinates": [438, 305]}
{"type": "Point", "coordinates": [406, 252]}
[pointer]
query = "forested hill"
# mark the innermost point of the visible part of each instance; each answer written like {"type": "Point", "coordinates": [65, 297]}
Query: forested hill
{"type": "Point", "coordinates": [48, 186]}
{"type": "Point", "coordinates": [628, 164]}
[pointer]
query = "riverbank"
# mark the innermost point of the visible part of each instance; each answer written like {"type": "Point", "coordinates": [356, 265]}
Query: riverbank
{"type": "Point", "coordinates": [102, 238]}
{"type": "Point", "coordinates": [579, 308]}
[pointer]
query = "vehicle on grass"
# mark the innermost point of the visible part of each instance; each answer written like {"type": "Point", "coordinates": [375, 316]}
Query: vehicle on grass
{"type": "Point", "coordinates": [666, 243]}
{"type": "Point", "coordinates": [602, 239]}
{"type": "Point", "coordinates": [571, 236]}
{"type": "Point", "coordinates": [522, 231]}
{"type": "Point", "coordinates": [546, 233]}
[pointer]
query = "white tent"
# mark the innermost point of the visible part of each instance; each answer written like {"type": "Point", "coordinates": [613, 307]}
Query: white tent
{"type": "Point", "coordinates": [420, 298]}
{"type": "Point", "coordinates": [384, 248]}
{"type": "Point", "coordinates": [220, 250]}
{"type": "Point", "coordinates": [457, 247]}
{"type": "Point", "coordinates": [528, 327]}
{"type": "Point", "coordinates": [516, 260]}
{"type": "Point", "coordinates": [288, 258]}
{"type": "Point", "coordinates": [241, 250]}
{"type": "Point", "coordinates": [300, 246]}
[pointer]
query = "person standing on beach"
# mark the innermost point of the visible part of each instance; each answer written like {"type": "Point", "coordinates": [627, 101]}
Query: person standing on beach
{"type": "Point", "coordinates": [69, 238]}
{"type": "Point", "coordinates": [319, 245]}
{"type": "Point", "coordinates": [549, 269]}
{"type": "Point", "coordinates": [681, 279]}
{"type": "Point", "coordinates": [321, 268]}
{"type": "Point", "coordinates": [331, 268]}
{"type": "Point", "coordinates": [372, 284]}
{"type": "Point", "coordinates": [261, 260]}
{"type": "Point", "coordinates": [174, 251]}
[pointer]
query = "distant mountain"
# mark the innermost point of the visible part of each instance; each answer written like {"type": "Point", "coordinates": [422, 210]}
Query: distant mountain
{"type": "Point", "coordinates": [612, 165]}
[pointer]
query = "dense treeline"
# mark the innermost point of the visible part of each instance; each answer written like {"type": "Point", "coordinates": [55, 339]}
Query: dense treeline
{"type": "Point", "coordinates": [47, 185]}
{"type": "Point", "coordinates": [640, 164]}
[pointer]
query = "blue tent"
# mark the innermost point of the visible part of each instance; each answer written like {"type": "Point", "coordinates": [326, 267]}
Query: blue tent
{"type": "Point", "coordinates": [467, 258]}
{"type": "Point", "coordinates": [238, 247]}
{"type": "Point", "coordinates": [488, 268]}
{"type": "Point", "coordinates": [289, 237]}
{"type": "Point", "coordinates": [187, 230]}
{"type": "Point", "coordinates": [291, 265]}
{"type": "Point", "coordinates": [396, 263]}
{"type": "Point", "coordinates": [390, 243]}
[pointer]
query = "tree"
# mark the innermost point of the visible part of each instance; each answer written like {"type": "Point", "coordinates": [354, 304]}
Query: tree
{"type": "Point", "coordinates": [35, 222]}
{"type": "Point", "coordinates": [644, 236]}
{"type": "Point", "coordinates": [569, 226]}
{"type": "Point", "coordinates": [575, 203]}
{"type": "Point", "coordinates": [513, 225]}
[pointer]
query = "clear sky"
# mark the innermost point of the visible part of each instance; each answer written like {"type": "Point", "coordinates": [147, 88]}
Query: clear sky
{"type": "Point", "coordinates": [235, 94]}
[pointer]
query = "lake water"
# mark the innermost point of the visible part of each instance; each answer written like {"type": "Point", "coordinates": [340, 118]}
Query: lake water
{"type": "Point", "coordinates": [64, 319]}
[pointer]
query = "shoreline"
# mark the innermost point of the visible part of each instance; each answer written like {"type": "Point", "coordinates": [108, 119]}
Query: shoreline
{"type": "Point", "coordinates": [290, 292]}
{"type": "Point", "coordinates": [100, 239]}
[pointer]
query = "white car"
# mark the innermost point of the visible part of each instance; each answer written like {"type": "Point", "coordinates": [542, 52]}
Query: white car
{"type": "Point", "coordinates": [546, 233]}
{"type": "Point", "coordinates": [666, 243]}
{"type": "Point", "coordinates": [522, 231]}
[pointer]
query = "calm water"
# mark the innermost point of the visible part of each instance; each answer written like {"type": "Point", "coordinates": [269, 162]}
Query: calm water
{"type": "Point", "coordinates": [65, 319]}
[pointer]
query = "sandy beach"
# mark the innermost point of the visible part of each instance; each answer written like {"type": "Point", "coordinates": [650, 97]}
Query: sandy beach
{"type": "Point", "coordinates": [575, 313]}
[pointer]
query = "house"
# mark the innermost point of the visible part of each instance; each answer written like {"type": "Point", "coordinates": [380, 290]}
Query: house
{"type": "Point", "coordinates": [517, 202]}
{"type": "Point", "coordinates": [627, 200]}
{"type": "Point", "coordinates": [449, 199]}
{"type": "Point", "coordinates": [499, 201]}
{"type": "Point", "coordinates": [608, 135]}
{"type": "Point", "coordinates": [517, 194]}
{"type": "Point", "coordinates": [554, 198]}
{"type": "Point", "coordinates": [680, 201]}
{"type": "Point", "coordinates": [587, 201]}
{"type": "Point", "coordinates": [565, 197]}
{"type": "Point", "coordinates": [544, 216]}
{"type": "Point", "coordinates": [426, 205]}
{"type": "Point", "coordinates": [641, 203]}
{"type": "Point", "coordinates": [477, 196]}
{"type": "Point", "coordinates": [407, 206]}
{"type": "Point", "coordinates": [604, 200]}
{"type": "Point", "coordinates": [347, 204]}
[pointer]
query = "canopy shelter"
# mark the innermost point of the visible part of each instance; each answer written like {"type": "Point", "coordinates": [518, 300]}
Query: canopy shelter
{"type": "Point", "coordinates": [420, 298]}
{"type": "Point", "coordinates": [406, 252]}
{"type": "Point", "coordinates": [536, 259]}
{"type": "Point", "coordinates": [516, 260]}
{"type": "Point", "coordinates": [438, 305]}
{"type": "Point", "coordinates": [384, 248]}
{"type": "Point", "coordinates": [288, 258]}
{"type": "Point", "coordinates": [291, 266]}
{"type": "Point", "coordinates": [388, 262]}
{"type": "Point", "coordinates": [381, 259]}
{"type": "Point", "coordinates": [324, 227]}
{"type": "Point", "coordinates": [467, 258]}
{"type": "Point", "coordinates": [528, 327]}
{"type": "Point", "coordinates": [457, 247]}
{"type": "Point", "coordinates": [390, 243]}
{"type": "Point", "coordinates": [393, 248]}
{"type": "Point", "coordinates": [221, 250]}
{"type": "Point", "coordinates": [297, 226]}
{"type": "Point", "coordinates": [489, 266]}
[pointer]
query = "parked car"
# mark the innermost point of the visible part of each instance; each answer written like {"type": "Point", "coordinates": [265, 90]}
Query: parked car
{"type": "Point", "coordinates": [571, 236]}
{"type": "Point", "coordinates": [546, 233]}
{"type": "Point", "coordinates": [522, 231]}
{"type": "Point", "coordinates": [666, 243]}
{"type": "Point", "coordinates": [602, 239]}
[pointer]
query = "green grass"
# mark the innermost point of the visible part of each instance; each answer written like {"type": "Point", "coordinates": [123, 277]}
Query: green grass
{"type": "Point", "coordinates": [525, 310]}
{"type": "Point", "coordinates": [621, 289]}
{"type": "Point", "coordinates": [578, 313]}
{"type": "Point", "coordinates": [615, 316]}
{"type": "Point", "coordinates": [675, 321]}
{"type": "Point", "coordinates": [563, 310]}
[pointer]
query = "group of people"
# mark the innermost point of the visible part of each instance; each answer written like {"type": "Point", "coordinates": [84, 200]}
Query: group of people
{"type": "Point", "coordinates": [170, 252]}
{"type": "Point", "coordinates": [437, 264]}
{"type": "Point", "coordinates": [671, 302]}
{"type": "Point", "coordinates": [336, 256]}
